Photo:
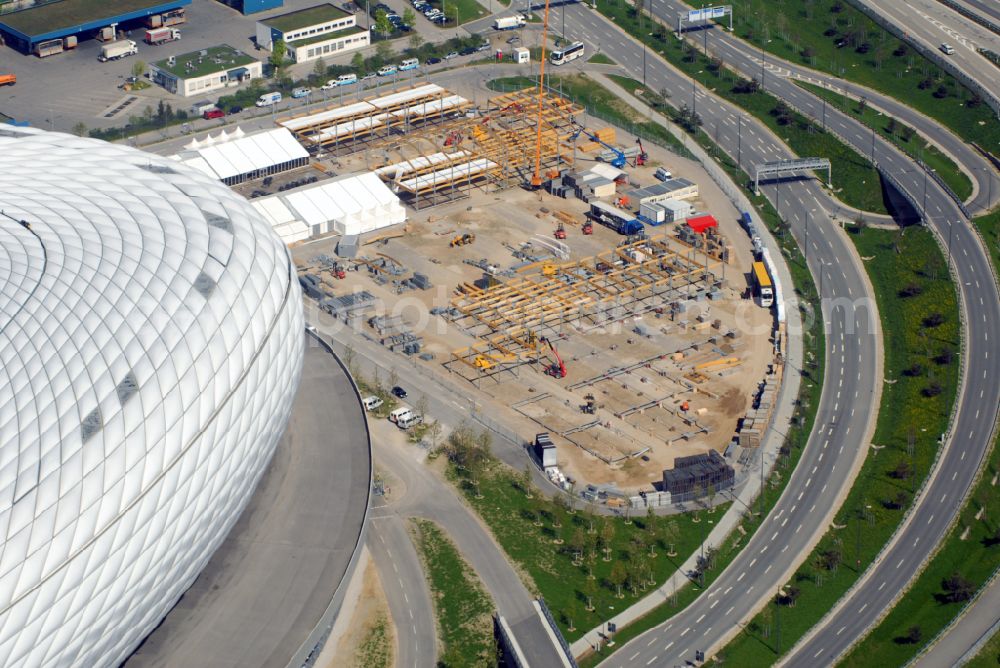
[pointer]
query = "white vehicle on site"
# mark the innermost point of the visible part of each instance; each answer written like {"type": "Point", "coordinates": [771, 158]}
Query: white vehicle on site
{"type": "Point", "coordinates": [387, 70]}
{"type": "Point", "coordinates": [409, 421]}
{"type": "Point", "coordinates": [571, 52]}
{"type": "Point", "coordinates": [400, 413]}
{"type": "Point", "coordinates": [123, 48]}
{"type": "Point", "coordinates": [509, 22]}
{"type": "Point", "coordinates": [268, 99]}
{"type": "Point", "coordinates": [346, 80]}
{"type": "Point", "coordinates": [662, 174]}
{"type": "Point", "coordinates": [409, 64]}
{"type": "Point", "coordinates": [947, 49]}
{"type": "Point", "coordinates": [371, 402]}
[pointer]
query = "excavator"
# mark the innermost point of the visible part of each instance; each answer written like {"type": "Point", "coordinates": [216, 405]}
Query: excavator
{"type": "Point", "coordinates": [643, 157]}
{"type": "Point", "coordinates": [558, 368]}
{"type": "Point", "coordinates": [462, 240]}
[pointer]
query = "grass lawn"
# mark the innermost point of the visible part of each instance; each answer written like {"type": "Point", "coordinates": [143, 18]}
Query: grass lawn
{"type": "Point", "coordinates": [974, 557]}
{"type": "Point", "coordinates": [807, 32]}
{"type": "Point", "coordinates": [989, 227]}
{"type": "Point", "coordinates": [856, 182]}
{"type": "Point", "coordinates": [600, 103]}
{"type": "Point", "coordinates": [901, 135]}
{"type": "Point", "coordinates": [462, 607]}
{"type": "Point", "coordinates": [601, 59]}
{"type": "Point", "coordinates": [577, 559]}
{"type": "Point", "coordinates": [909, 424]}
{"type": "Point", "coordinates": [467, 10]}
{"type": "Point", "coordinates": [989, 655]}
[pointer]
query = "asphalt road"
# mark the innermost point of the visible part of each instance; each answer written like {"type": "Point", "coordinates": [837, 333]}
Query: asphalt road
{"type": "Point", "coordinates": [709, 620]}
{"type": "Point", "coordinates": [979, 394]}
{"type": "Point", "coordinates": [932, 23]}
{"type": "Point", "coordinates": [269, 583]}
{"type": "Point", "coordinates": [978, 623]}
{"type": "Point", "coordinates": [849, 388]}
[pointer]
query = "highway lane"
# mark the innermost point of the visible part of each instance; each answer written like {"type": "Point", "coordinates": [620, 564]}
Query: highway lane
{"type": "Point", "coordinates": [849, 390]}
{"type": "Point", "coordinates": [930, 23]}
{"type": "Point", "coordinates": [979, 395]}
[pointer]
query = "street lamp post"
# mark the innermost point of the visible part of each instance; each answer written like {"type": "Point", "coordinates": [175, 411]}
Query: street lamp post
{"type": "Point", "coordinates": [739, 140]}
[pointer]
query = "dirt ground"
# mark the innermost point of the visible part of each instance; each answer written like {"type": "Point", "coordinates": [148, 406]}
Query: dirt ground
{"type": "Point", "coordinates": [716, 396]}
{"type": "Point", "coordinates": [370, 638]}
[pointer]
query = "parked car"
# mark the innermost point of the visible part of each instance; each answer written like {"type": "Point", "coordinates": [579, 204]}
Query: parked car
{"type": "Point", "coordinates": [235, 109]}
{"type": "Point", "coordinates": [433, 61]}
{"type": "Point", "coordinates": [387, 70]}
{"type": "Point", "coordinates": [483, 47]}
{"type": "Point", "coordinates": [301, 92]}
{"type": "Point", "coordinates": [346, 79]}
{"type": "Point", "coordinates": [513, 40]}
{"type": "Point", "coordinates": [399, 392]}
{"type": "Point", "coordinates": [440, 19]}
{"type": "Point", "coordinates": [450, 55]}
{"type": "Point", "coordinates": [467, 51]}
{"type": "Point", "coordinates": [402, 27]}
{"type": "Point", "coordinates": [213, 113]}
{"type": "Point", "coordinates": [370, 75]}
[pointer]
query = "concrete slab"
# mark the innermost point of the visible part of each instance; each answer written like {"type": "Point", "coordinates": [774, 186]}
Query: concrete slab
{"type": "Point", "coordinates": [268, 585]}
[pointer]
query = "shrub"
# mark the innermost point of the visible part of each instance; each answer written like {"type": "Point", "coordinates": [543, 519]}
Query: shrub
{"type": "Point", "coordinates": [911, 290]}
{"type": "Point", "coordinates": [933, 389]}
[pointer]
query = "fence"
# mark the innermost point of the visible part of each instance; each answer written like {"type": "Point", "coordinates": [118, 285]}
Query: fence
{"type": "Point", "coordinates": [567, 652]}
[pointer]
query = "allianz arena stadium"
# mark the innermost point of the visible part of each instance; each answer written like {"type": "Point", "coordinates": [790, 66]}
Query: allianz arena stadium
{"type": "Point", "coordinates": [151, 347]}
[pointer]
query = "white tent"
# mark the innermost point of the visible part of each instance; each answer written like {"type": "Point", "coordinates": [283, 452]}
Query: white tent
{"type": "Point", "coordinates": [352, 204]}
{"type": "Point", "coordinates": [233, 159]}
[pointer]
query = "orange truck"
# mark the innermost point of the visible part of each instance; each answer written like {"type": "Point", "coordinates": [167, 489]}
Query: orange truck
{"type": "Point", "coordinates": [8, 79]}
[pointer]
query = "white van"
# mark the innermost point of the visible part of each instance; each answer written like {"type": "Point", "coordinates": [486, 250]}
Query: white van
{"type": "Point", "coordinates": [268, 99]}
{"type": "Point", "coordinates": [947, 49]}
{"type": "Point", "coordinates": [371, 403]}
{"type": "Point", "coordinates": [400, 413]}
{"type": "Point", "coordinates": [386, 70]}
{"type": "Point", "coordinates": [409, 421]}
{"type": "Point", "coordinates": [346, 79]}
{"type": "Point", "coordinates": [662, 174]}
{"type": "Point", "coordinates": [409, 64]}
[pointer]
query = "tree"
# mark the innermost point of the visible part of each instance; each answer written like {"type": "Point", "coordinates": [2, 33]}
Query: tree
{"type": "Point", "coordinates": [138, 68]}
{"type": "Point", "coordinates": [383, 51]}
{"type": "Point", "coordinates": [913, 635]}
{"type": "Point", "coordinates": [524, 481]}
{"type": "Point", "coordinates": [576, 543]}
{"type": "Point", "coordinates": [409, 17]}
{"type": "Point", "coordinates": [607, 536]}
{"type": "Point", "coordinates": [934, 320]}
{"type": "Point", "coordinates": [589, 589]}
{"type": "Point", "coordinates": [421, 405]}
{"type": "Point", "coordinates": [617, 577]}
{"type": "Point", "coordinates": [558, 510]}
{"type": "Point", "coordinates": [830, 558]}
{"type": "Point", "coordinates": [319, 69]}
{"type": "Point", "coordinates": [358, 62]}
{"type": "Point", "coordinates": [382, 23]}
{"type": "Point", "coordinates": [416, 41]}
{"type": "Point", "coordinates": [933, 389]}
{"type": "Point", "coordinates": [277, 57]}
{"type": "Point", "coordinates": [956, 589]}
{"type": "Point", "coordinates": [80, 130]}
{"type": "Point", "coordinates": [651, 528]}
{"type": "Point", "coordinates": [451, 13]}
{"type": "Point", "coordinates": [902, 471]}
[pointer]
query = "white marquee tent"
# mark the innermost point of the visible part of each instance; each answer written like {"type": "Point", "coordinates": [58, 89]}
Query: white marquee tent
{"type": "Point", "coordinates": [353, 204]}
{"type": "Point", "coordinates": [237, 157]}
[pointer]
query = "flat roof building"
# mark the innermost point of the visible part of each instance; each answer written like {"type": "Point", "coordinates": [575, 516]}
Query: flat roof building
{"type": "Point", "coordinates": [313, 32]}
{"type": "Point", "coordinates": [253, 6]}
{"type": "Point", "coordinates": [669, 189]}
{"type": "Point", "coordinates": [25, 28]}
{"type": "Point", "coordinates": [205, 70]}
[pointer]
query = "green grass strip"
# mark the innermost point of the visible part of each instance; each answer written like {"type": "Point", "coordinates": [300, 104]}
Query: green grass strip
{"type": "Point", "coordinates": [461, 605]}
{"type": "Point", "coordinates": [917, 364]}
{"type": "Point", "coordinates": [900, 134]}
{"type": "Point", "coordinates": [856, 181]}
{"type": "Point", "coordinates": [988, 656]}
{"type": "Point", "coordinates": [809, 31]}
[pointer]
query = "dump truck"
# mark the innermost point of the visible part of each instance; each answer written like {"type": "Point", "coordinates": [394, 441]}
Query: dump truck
{"type": "Point", "coordinates": [762, 284]}
{"type": "Point", "coordinates": [8, 79]}
{"type": "Point", "coordinates": [123, 48]}
{"type": "Point", "coordinates": [156, 36]}
{"type": "Point", "coordinates": [509, 22]}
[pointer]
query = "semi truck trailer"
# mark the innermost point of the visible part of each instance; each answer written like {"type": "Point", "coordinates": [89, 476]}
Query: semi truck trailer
{"type": "Point", "coordinates": [509, 22]}
{"type": "Point", "coordinates": [156, 36]}
{"type": "Point", "coordinates": [116, 50]}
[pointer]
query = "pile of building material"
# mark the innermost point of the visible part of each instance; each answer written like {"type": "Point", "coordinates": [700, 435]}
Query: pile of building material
{"type": "Point", "coordinates": [697, 475]}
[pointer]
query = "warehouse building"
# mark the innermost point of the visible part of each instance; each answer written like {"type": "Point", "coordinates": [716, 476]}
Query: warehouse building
{"type": "Point", "coordinates": [46, 25]}
{"type": "Point", "coordinates": [205, 70]}
{"type": "Point", "coordinates": [253, 6]}
{"type": "Point", "coordinates": [236, 157]}
{"type": "Point", "coordinates": [313, 33]}
{"type": "Point", "coordinates": [350, 205]}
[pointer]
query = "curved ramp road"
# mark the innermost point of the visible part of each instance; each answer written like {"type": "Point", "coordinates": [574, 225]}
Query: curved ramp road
{"type": "Point", "coordinates": [978, 400]}
{"type": "Point", "coordinates": [848, 398]}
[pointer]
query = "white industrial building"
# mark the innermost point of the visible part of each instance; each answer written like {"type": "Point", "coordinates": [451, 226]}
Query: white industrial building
{"type": "Point", "coordinates": [234, 157]}
{"type": "Point", "coordinates": [152, 347]}
{"type": "Point", "coordinates": [314, 32]}
{"type": "Point", "coordinates": [205, 70]}
{"type": "Point", "coordinates": [350, 205]}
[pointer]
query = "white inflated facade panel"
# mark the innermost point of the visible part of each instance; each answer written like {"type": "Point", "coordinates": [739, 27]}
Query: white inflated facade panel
{"type": "Point", "coordinates": [151, 346]}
